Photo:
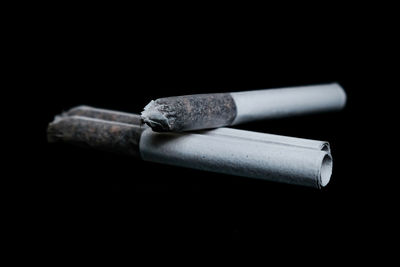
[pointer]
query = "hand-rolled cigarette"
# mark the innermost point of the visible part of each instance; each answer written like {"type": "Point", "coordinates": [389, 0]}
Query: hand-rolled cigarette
{"type": "Point", "coordinates": [229, 152]}
{"type": "Point", "coordinates": [204, 111]}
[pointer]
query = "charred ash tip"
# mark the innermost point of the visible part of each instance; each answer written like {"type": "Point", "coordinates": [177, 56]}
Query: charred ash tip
{"type": "Point", "coordinates": [56, 128]}
{"type": "Point", "coordinates": [152, 116]}
{"type": "Point", "coordinates": [53, 135]}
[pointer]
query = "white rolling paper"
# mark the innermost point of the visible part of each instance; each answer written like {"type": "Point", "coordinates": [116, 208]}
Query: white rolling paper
{"type": "Point", "coordinates": [288, 101]}
{"type": "Point", "coordinates": [238, 156]}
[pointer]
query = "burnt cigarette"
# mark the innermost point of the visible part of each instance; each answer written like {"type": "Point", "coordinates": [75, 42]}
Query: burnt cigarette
{"type": "Point", "coordinates": [229, 152]}
{"type": "Point", "coordinates": [204, 111]}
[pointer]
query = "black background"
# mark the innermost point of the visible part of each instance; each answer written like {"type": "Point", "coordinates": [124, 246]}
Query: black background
{"type": "Point", "coordinates": [87, 198]}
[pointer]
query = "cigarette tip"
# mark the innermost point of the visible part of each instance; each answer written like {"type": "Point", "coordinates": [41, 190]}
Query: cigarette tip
{"type": "Point", "coordinates": [53, 133]}
{"type": "Point", "coordinates": [153, 117]}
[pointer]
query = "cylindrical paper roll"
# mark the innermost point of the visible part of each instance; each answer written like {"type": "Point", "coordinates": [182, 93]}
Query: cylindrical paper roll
{"type": "Point", "coordinates": [235, 156]}
{"type": "Point", "coordinates": [286, 102]}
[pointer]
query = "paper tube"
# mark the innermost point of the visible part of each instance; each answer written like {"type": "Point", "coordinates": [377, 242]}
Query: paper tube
{"type": "Point", "coordinates": [238, 156]}
{"type": "Point", "coordinates": [286, 102]}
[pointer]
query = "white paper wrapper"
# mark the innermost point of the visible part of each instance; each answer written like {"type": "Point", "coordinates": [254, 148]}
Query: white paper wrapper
{"type": "Point", "coordinates": [286, 102]}
{"type": "Point", "coordinates": [238, 156]}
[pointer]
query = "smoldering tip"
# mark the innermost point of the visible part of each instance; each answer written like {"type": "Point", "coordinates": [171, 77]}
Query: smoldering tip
{"type": "Point", "coordinates": [154, 117]}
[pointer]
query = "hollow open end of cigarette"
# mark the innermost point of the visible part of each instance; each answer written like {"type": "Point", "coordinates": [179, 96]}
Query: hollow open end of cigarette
{"type": "Point", "coordinates": [325, 147]}
{"type": "Point", "coordinates": [326, 170]}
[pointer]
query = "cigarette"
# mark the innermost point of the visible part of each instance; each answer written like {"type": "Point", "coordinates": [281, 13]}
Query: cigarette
{"type": "Point", "coordinates": [229, 151]}
{"type": "Point", "coordinates": [204, 111]}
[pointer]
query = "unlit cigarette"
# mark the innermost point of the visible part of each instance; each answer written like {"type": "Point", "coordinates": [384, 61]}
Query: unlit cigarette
{"type": "Point", "coordinates": [203, 111]}
{"type": "Point", "coordinates": [228, 152]}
